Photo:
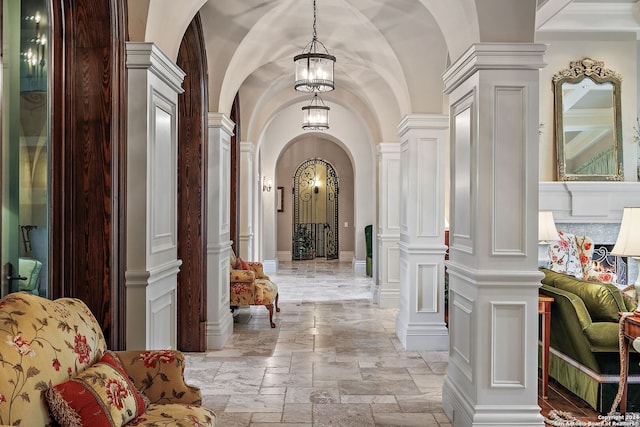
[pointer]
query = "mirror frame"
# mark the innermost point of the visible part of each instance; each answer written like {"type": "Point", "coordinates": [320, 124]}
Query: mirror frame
{"type": "Point", "coordinates": [578, 71]}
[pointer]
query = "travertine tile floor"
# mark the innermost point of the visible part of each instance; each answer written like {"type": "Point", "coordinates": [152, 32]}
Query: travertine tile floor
{"type": "Point", "coordinates": [332, 360]}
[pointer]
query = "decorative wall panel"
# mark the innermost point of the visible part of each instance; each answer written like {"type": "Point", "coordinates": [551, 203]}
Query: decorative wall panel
{"type": "Point", "coordinates": [509, 158]}
{"type": "Point", "coordinates": [463, 208]}
{"type": "Point", "coordinates": [161, 321]}
{"type": "Point", "coordinates": [428, 168]}
{"type": "Point", "coordinates": [163, 176]}
{"type": "Point", "coordinates": [427, 288]}
{"type": "Point", "coordinates": [461, 341]}
{"type": "Point", "coordinates": [393, 195]}
{"type": "Point", "coordinates": [508, 330]}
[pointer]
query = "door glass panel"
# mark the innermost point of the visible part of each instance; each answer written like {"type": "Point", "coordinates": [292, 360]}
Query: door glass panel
{"type": "Point", "coordinates": [25, 146]}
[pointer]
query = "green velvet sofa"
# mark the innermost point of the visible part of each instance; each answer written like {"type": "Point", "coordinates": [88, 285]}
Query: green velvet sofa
{"type": "Point", "coordinates": [584, 355]}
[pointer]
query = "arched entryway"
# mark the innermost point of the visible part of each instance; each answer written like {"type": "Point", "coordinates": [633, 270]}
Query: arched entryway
{"type": "Point", "coordinates": [315, 211]}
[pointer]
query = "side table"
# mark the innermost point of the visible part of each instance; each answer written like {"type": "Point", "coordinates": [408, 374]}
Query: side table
{"type": "Point", "coordinates": [544, 308]}
{"type": "Point", "coordinates": [631, 331]}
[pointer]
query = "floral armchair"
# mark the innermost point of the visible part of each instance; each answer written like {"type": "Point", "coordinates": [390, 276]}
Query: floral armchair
{"type": "Point", "coordinates": [573, 255]}
{"type": "Point", "coordinates": [55, 369]}
{"type": "Point", "coordinates": [250, 286]}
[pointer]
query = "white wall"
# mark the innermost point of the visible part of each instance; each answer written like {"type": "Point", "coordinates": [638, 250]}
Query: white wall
{"type": "Point", "coordinates": [619, 53]}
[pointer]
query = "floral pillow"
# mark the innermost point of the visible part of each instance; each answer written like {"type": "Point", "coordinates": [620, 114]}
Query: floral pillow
{"type": "Point", "coordinates": [100, 396]}
{"type": "Point", "coordinates": [564, 256]}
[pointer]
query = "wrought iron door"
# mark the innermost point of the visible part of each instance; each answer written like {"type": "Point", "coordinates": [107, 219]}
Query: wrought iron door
{"type": "Point", "coordinates": [315, 211]}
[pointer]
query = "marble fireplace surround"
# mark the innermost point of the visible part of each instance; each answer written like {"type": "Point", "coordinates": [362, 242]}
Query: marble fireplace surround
{"type": "Point", "coordinates": [591, 209]}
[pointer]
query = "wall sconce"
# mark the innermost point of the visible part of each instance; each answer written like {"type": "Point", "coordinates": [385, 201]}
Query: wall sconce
{"type": "Point", "coordinates": [267, 184]}
{"type": "Point", "coordinates": [316, 185]}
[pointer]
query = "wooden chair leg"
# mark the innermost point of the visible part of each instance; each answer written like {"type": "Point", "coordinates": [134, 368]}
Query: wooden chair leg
{"type": "Point", "coordinates": [270, 308]}
{"type": "Point", "coordinates": [277, 308]}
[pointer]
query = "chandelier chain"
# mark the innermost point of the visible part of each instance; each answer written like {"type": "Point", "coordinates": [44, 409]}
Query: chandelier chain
{"type": "Point", "coordinates": [315, 34]}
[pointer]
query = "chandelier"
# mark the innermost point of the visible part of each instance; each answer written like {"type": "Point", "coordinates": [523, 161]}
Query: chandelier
{"type": "Point", "coordinates": [315, 115]}
{"type": "Point", "coordinates": [314, 66]}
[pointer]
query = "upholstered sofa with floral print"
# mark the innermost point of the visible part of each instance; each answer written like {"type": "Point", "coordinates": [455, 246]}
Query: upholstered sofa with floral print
{"type": "Point", "coordinates": [55, 369]}
{"type": "Point", "coordinates": [250, 286]}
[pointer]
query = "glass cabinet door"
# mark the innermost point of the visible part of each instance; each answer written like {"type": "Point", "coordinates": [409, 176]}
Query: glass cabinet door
{"type": "Point", "coordinates": [25, 150]}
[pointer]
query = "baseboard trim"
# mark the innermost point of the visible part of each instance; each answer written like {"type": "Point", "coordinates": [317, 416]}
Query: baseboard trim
{"type": "Point", "coordinates": [359, 267]}
{"type": "Point", "coordinates": [270, 265]}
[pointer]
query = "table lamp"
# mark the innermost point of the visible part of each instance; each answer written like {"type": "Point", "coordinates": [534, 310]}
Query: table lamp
{"type": "Point", "coordinates": [628, 243]}
{"type": "Point", "coordinates": [547, 233]}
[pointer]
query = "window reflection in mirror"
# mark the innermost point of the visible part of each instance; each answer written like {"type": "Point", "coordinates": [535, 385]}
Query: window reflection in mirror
{"type": "Point", "coordinates": [587, 128]}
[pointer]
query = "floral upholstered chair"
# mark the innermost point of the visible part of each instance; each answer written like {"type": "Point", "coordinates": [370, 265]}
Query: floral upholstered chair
{"type": "Point", "coordinates": [250, 286]}
{"type": "Point", "coordinates": [55, 369]}
{"type": "Point", "coordinates": [573, 255]}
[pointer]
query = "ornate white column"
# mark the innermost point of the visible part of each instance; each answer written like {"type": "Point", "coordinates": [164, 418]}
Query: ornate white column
{"type": "Point", "coordinates": [387, 266]}
{"type": "Point", "coordinates": [493, 275]}
{"type": "Point", "coordinates": [420, 324]}
{"type": "Point", "coordinates": [152, 266]}
{"type": "Point", "coordinates": [247, 196]}
{"type": "Point", "coordinates": [219, 320]}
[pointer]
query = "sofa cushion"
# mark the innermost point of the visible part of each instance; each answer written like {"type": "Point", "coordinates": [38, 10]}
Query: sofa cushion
{"type": "Point", "coordinates": [603, 300]}
{"type": "Point", "coordinates": [100, 396]}
{"type": "Point", "coordinates": [158, 374]}
{"type": "Point", "coordinates": [175, 415]}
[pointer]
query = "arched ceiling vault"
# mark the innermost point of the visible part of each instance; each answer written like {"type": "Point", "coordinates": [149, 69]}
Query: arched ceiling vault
{"type": "Point", "coordinates": [391, 54]}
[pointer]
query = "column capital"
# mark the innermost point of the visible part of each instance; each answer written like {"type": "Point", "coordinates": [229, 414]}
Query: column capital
{"type": "Point", "coordinates": [389, 148]}
{"type": "Point", "coordinates": [422, 121]}
{"type": "Point", "coordinates": [247, 147]}
{"type": "Point", "coordinates": [494, 56]}
{"type": "Point", "coordinates": [148, 56]}
{"type": "Point", "coordinates": [220, 120]}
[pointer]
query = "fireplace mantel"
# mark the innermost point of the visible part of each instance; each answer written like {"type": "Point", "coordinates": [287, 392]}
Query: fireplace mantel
{"type": "Point", "coordinates": [588, 202]}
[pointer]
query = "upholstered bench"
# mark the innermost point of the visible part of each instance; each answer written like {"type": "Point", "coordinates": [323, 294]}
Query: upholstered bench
{"type": "Point", "coordinates": [250, 286]}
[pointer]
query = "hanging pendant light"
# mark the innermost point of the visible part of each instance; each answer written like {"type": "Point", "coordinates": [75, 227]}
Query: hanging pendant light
{"type": "Point", "coordinates": [315, 115]}
{"type": "Point", "coordinates": [314, 66]}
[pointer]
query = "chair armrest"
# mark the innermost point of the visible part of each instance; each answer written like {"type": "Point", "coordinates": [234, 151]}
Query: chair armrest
{"type": "Point", "coordinates": [159, 375]}
{"type": "Point", "coordinates": [242, 276]}
{"type": "Point", "coordinates": [258, 269]}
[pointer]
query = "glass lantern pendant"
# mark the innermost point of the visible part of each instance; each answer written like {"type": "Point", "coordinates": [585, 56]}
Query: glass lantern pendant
{"type": "Point", "coordinates": [315, 115]}
{"type": "Point", "coordinates": [314, 66]}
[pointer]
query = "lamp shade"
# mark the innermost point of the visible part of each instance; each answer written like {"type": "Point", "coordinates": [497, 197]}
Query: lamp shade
{"type": "Point", "coordinates": [547, 227]}
{"type": "Point", "coordinates": [628, 243]}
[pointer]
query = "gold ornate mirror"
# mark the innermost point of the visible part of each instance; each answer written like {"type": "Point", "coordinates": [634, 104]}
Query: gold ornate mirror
{"type": "Point", "coordinates": [588, 130]}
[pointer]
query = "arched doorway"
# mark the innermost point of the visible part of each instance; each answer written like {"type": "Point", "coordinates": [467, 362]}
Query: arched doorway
{"type": "Point", "coordinates": [315, 211]}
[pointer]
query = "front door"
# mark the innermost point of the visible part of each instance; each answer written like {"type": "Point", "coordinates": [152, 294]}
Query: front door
{"type": "Point", "coordinates": [24, 150]}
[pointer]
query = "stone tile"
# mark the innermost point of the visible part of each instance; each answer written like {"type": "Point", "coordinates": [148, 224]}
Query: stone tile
{"type": "Point", "coordinates": [312, 395]}
{"type": "Point", "coordinates": [405, 420]}
{"type": "Point", "coordinates": [377, 387]}
{"type": "Point", "coordinates": [287, 380]}
{"type": "Point", "coordinates": [343, 415]}
{"type": "Point", "coordinates": [324, 371]}
{"type": "Point", "coordinates": [297, 413]}
{"type": "Point", "coordinates": [266, 417]}
{"type": "Point", "coordinates": [385, 374]}
{"type": "Point", "coordinates": [257, 403]}
{"type": "Point", "coordinates": [229, 419]}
